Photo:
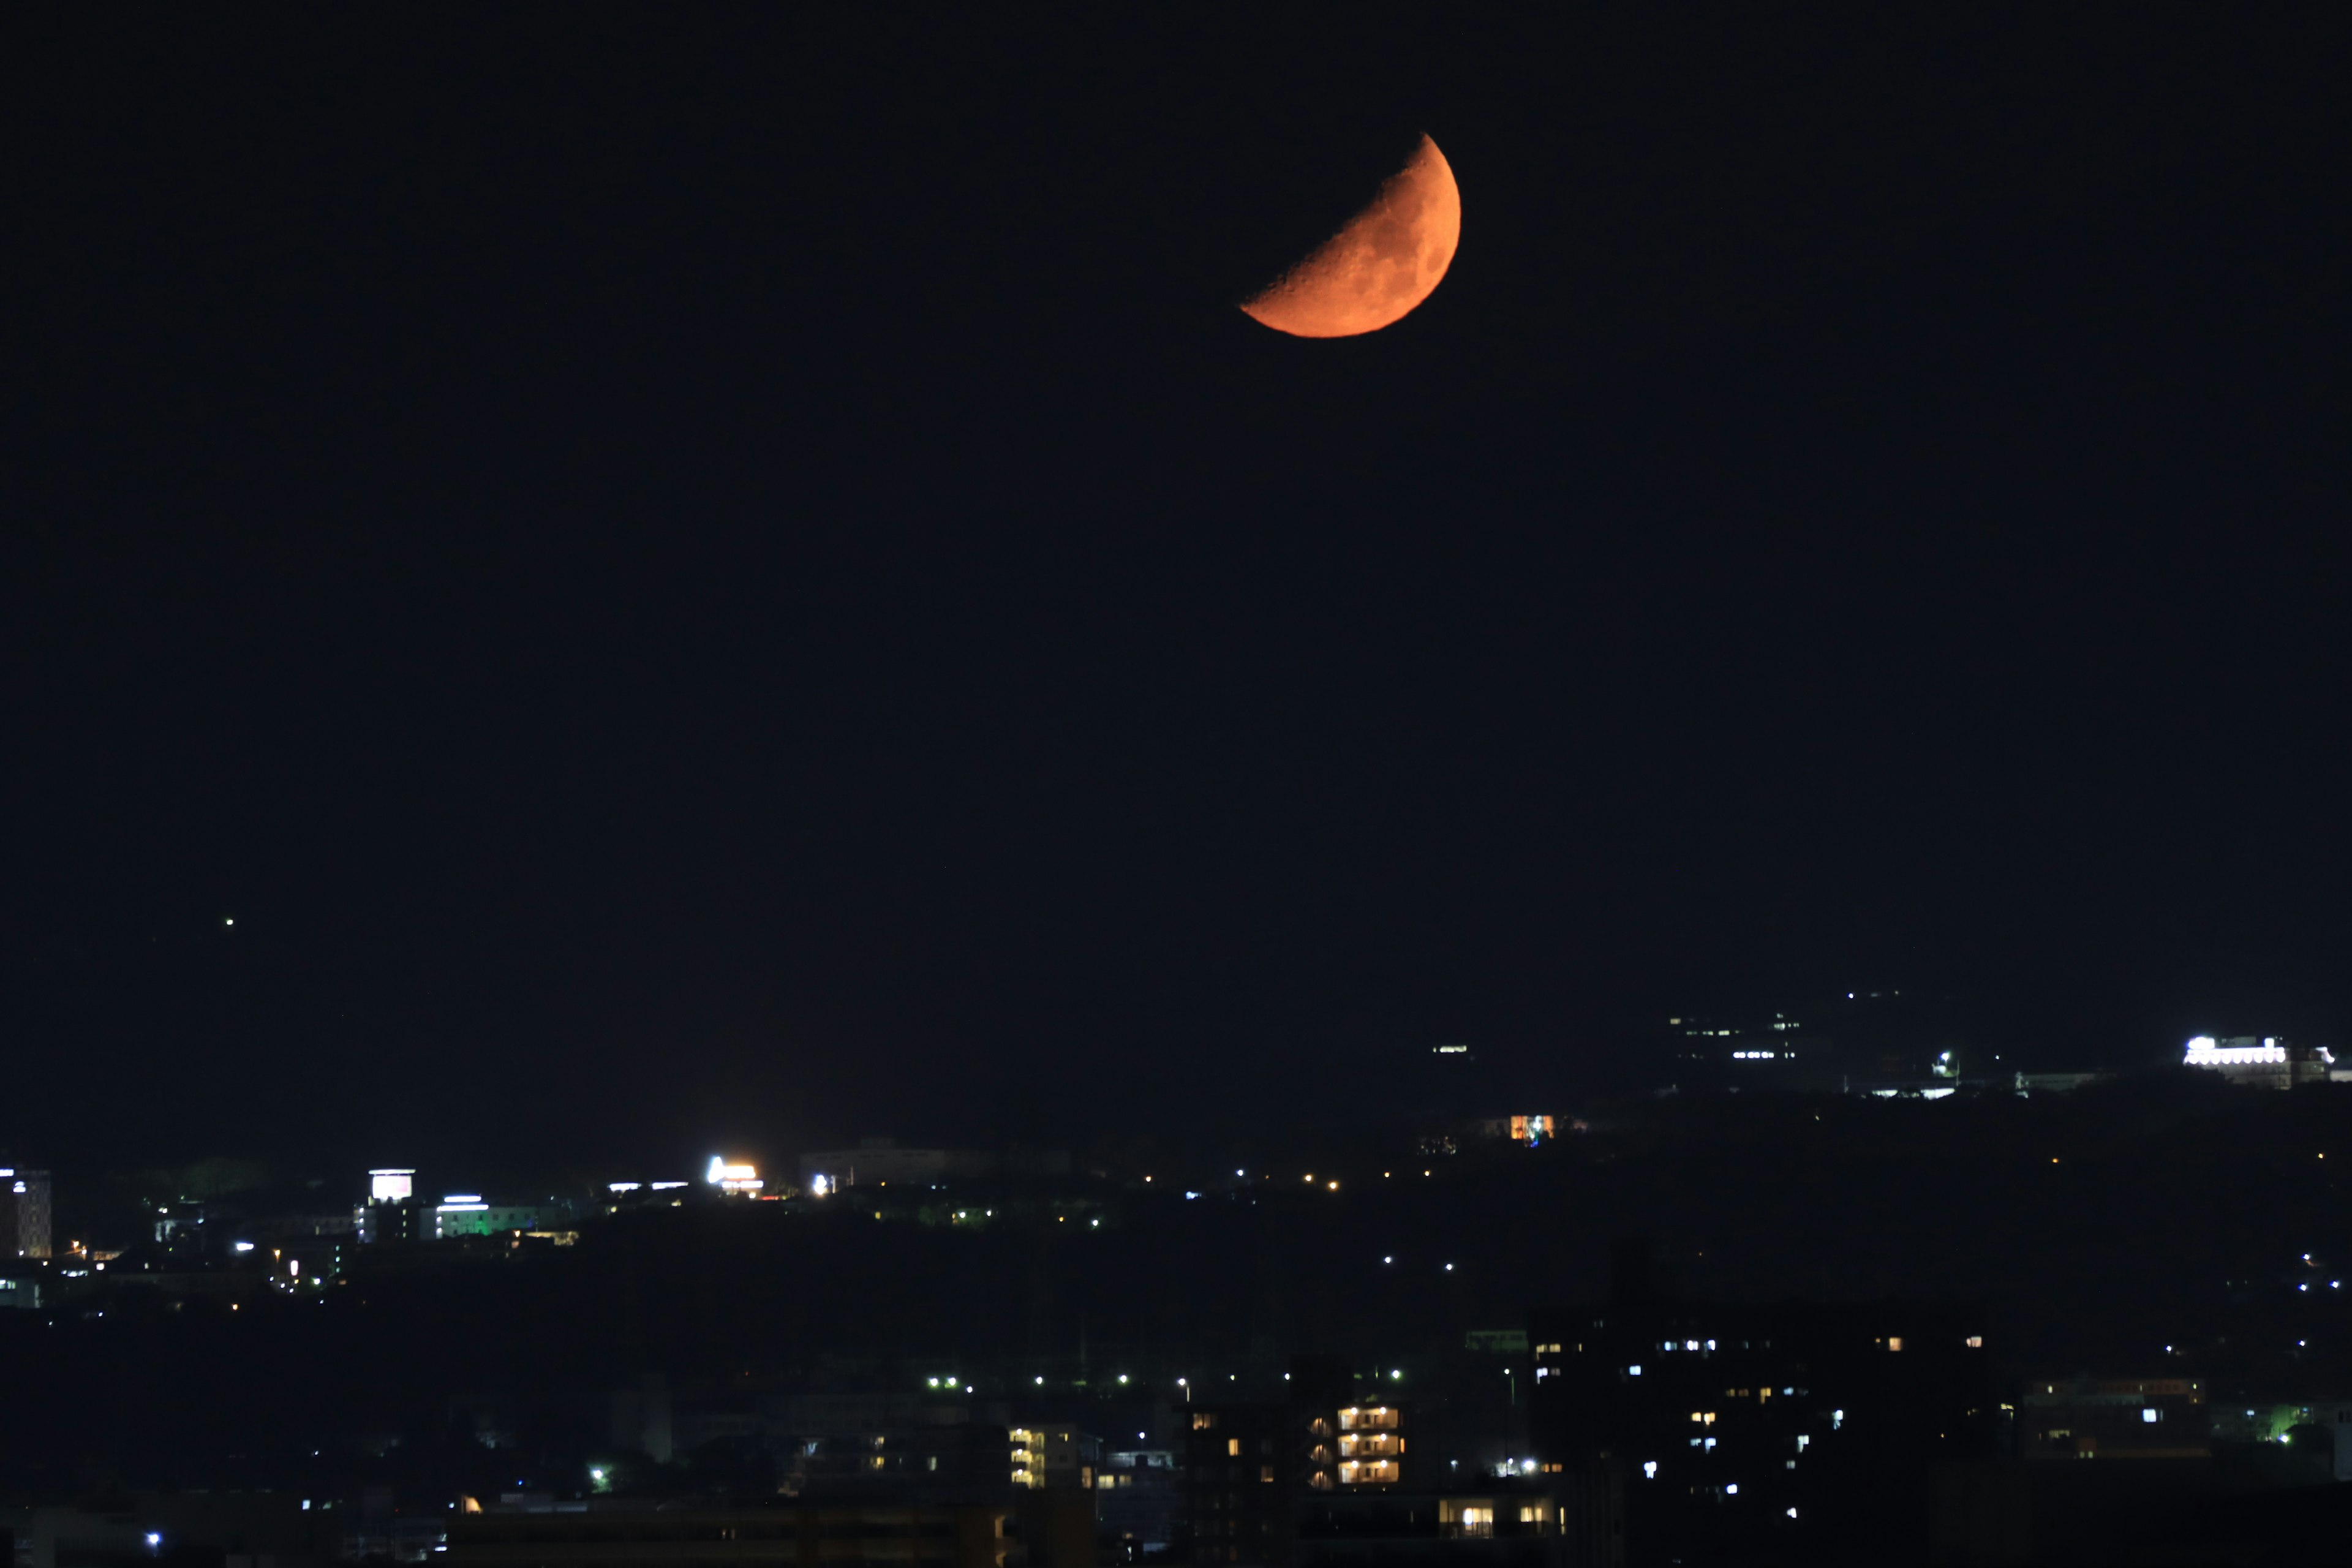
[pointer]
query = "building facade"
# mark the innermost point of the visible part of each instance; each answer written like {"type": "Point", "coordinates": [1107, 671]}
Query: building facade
{"type": "Point", "coordinates": [25, 1213]}
{"type": "Point", "coordinates": [1784, 1426]}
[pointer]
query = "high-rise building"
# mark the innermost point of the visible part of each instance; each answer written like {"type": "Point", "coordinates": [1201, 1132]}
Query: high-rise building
{"type": "Point", "coordinates": [1786, 1425]}
{"type": "Point", "coordinates": [1249, 1465]}
{"type": "Point", "coordinates": [24, 1212]}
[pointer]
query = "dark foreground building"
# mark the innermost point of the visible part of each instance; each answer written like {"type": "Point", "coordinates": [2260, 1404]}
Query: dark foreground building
{"type": "Point", "coordinates": [1740, 1431]}
{"type": "Point", "coordinates": [781, 1537]}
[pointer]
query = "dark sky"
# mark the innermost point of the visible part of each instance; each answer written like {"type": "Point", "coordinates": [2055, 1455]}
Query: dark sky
{"type": "Point", "coordinates": [698, 576]}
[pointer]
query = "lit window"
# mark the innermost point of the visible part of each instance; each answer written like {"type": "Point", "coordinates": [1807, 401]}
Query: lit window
{"type": "Point", "coordinates": [1202, 1420]}
{"type": "Point", "coordinates": [1895, 1342]}
{"type": "Point", "coordinates": [1976, 1341]}
{"type": "Point", "coordinates": [1233, 1447]}
{"type": "Point", "coordinates": [2151, 1414]}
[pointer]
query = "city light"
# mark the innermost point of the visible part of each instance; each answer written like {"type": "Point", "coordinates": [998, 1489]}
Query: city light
{"type": "Point", "coordinates": [2204, 1051]}
{"type": "Point", "coordinates": [390, 1186]}
{"type": "Point", "coordinates": [732, 1176]}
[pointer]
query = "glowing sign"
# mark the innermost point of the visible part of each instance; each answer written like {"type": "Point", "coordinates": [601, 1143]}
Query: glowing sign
{"type": "Point", "coordinates": [390, 1186]}
{"type": "Point", "coordinates": [732, 1177]}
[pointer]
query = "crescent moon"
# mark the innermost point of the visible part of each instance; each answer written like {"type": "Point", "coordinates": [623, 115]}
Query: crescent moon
{"type": "Point", "coordinates": [1385, 261]}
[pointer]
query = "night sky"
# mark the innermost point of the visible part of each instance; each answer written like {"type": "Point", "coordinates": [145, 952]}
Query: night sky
{"type": "Point", "coordinates": [700, 578]}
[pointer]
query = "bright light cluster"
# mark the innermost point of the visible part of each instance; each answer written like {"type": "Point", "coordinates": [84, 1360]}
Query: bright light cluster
{"type": "Point", "coordinates": [2204, 1051]}
{"type": "Point", "coordinates": [391, 1186]}
{"type": "Point", "coordinates": [732, 1177]}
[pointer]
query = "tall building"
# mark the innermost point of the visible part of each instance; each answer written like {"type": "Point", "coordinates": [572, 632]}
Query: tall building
{"type": "Point", "coordinates": [25, 1213]}
{"type": "Point", "coordinates": [1783, 1426]}
{"type": "Point", "coordinates": [1249, 1464]}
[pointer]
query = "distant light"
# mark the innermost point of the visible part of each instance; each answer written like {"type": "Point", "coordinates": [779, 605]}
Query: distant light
{"type": "Point", "coordinates": [230, 921]}
{"type": "Point", "coordinates": [1449, 1269]}
{"type": "Point", "coordinates": [1335, 1186]}
{"type": "Point", "coordinates": [2204, 1052]}
{"type": "Point", "coordinates": [155, 1538]}
{"type": "Point", "coordinates": [1792, 1513]}
{"type": "Point", "coordinates": [1396, 1373]}
{"type": "Point", "coordinates": [623, 1186]}
{"type": "Point", "coordinates": [821, 1186]}
{"type": "Point", "coordinates": [1650, 1469]}
{"type": "Point", "coordinates": [732, 1175]}
{"type": "Point", "coordinates": [1041, 1382]}
{"type": "Point", "coordinates": [390, 1186]}
{"type": "Point", "coordinates": [1389, 1260]}
{"type": "Point", "coordinates": [245, 1246]}
{"type": "Point", "coordinates": [2148, 1416]}
{"type": "Point", "coordinates": [1122, 1377]}
{"type": "Point", "coordinates": [1632, 1372]}
{"type": "Point", "coordinates": [1732, 1490]}
{"type": "Point", "coordinates": [1237, 1173]}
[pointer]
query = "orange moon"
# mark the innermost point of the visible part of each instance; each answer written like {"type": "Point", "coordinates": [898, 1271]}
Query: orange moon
{"type": "Point", "coordinates": [1386, 261]}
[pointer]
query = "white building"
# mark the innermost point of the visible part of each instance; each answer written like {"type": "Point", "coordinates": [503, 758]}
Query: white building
{"type": "Point", "coordinates": [2264, 1062]}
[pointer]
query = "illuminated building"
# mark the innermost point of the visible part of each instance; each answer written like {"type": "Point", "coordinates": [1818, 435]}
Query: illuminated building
{"type": "Point", "coordinates": [1249, 1465]}
{"type": "Point", "coordinates": [1137, 1497]}
{"type": "Point", "coordinates": [1798, 1424]}
{"type": "Point", "coordinates": [25, 1213]}
{"type": "Point", "coordinates": [2264, 1062]}
{"type": "Point", "coordinates": [2113, 1418]}
{"type": "Point", "coordinates": [466, 1213]}
{"type": "Point", "coordinates": [1518, 1523]}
